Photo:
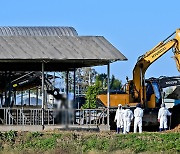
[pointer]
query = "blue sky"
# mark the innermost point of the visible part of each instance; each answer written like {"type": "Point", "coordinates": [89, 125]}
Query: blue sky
{"type": "Point", "coordinates": [133, 27]}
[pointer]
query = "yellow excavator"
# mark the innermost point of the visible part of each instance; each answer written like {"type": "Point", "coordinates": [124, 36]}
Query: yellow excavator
{"type": "Point", "coordinates": [139, 90]}
{"type": "Point", "coordinates": [147, 59]}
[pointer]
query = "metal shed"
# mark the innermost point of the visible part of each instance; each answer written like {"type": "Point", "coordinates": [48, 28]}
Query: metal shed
{"type": "Point", "coordinates": [24, 49]}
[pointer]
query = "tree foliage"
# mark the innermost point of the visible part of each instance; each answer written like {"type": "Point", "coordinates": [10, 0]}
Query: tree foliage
{"type": "Point", "coordinates": [115, 84]}
{"type": "Point", "coordinates": [91, 93]}
{"type": "Point", "coordinates": [99, 85]}
{"type": "Point", "coordinates": [101, 80]}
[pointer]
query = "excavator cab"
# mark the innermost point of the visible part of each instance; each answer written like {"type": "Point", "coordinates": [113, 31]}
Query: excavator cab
{"type": "Point", "coordinates": [153, 94]}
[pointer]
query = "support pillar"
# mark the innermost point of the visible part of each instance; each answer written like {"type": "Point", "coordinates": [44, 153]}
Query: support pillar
{"type": "Point", "coordinates": [37, 90]}
{"type": "Point", "coordinates": [22, 98]}
{"type": "Point", "coordinates": [29, 99]}
{"type": "Point", "coordinates": [74, 86]}
{"type": "Point", "coordinates": [67, 85]}
{"type": "Point", "coordinates": [53, 88]}
{"type": "Point", "coordinates": [108, 94]}
{"type": "Point", "coordinates": [43, 95]}
{"type": "Point", "coordinates": [67, 100]}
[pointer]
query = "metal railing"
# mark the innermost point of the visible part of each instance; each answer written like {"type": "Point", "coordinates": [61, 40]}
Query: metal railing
{"type": "Point", "coordinates": [90, 116]}
{"type": "Point", "coordinates": [29, 116]}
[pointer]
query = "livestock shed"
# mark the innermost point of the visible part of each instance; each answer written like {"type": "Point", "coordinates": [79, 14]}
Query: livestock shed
{"type": "Point", "coordinates": [28, 51]}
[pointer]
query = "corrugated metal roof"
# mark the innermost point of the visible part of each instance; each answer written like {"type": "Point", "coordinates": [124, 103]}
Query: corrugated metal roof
{"type": "Point", "coordinates": [57, 48]}
{"type": "Point", "coordinates": [24, 48]}
{"type": "Point", "coordinates": [38, 31]}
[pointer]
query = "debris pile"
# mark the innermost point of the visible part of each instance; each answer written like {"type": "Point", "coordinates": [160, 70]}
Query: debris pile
{"type": "Point", "coordinates": [176, 129]}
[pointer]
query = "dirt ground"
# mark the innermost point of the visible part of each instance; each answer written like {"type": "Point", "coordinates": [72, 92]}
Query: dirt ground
{"type": "Point", "coordinates": [176, 129]}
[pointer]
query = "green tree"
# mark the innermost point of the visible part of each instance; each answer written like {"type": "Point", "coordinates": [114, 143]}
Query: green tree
{"type": "Point", "coordinates": [91, 93]}
{"type": "Point", "coordinates": [115, 84]}
{"type": "Point", "coordinates": [100, 85]}
{"type": "Point", "coordinates": [101, 80]}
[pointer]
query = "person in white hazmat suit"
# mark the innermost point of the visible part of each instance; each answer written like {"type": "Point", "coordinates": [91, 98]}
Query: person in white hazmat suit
{"type": "Point", "coordinates": [138, 114]}
{"type": "Point", "coordinates": [128, 117]}
{"type": "Point", "coordinates": [119, 119]}
{"type": "Point", "coordinates": [162, 117]}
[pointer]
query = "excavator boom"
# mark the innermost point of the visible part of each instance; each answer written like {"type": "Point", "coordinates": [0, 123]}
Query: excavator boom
{"type": "Point", "coordinates": [151, 56]}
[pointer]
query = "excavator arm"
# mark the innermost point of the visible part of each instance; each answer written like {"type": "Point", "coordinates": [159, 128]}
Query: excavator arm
{"type": "Point", "coordinates": [151, 56]}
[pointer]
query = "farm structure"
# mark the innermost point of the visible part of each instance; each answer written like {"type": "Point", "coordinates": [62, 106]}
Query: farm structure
{"type": "Point", "coordinates": [26, 55]}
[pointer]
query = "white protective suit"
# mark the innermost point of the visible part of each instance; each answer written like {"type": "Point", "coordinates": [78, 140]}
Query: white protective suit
{"type": "Point", "coordinates": [162, 116]}
{"type": "Point", "coordinates": [119, 118]}
{"type": "Point", "coordinates": [138, 114]}
{"type": "Point", "coordinates": [128, 116]}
